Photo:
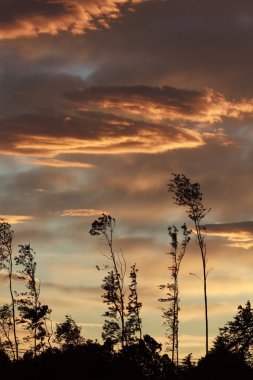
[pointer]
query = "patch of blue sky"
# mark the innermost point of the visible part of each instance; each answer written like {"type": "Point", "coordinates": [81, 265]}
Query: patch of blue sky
{"type": "Point", "coordinates": [11, 164]}
{"type": "Point", "coordinates": [81, 70]}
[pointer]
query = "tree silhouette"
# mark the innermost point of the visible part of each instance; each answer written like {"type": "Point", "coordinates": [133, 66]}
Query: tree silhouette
{"type": "Point", "coordinates": [187, 363]}
{"type": "Point", "coordinates": [68, 333]}
{"type": "Point", "coordinates": [123, 321]}
{"type": "Point", "coordinates": [171, 313]}
{"type": "Point", "coordinates": [134, 323]}
{"type": "Point", "coordinates": [32, 313]}
{"type": "Point", "coordinates": [6, 263]}
{"type": "Point", "coordinates": [189, 195]}
{"type": "Point", "coordinates": [237, 335]}
{"type": "Point", "coordinates": [6, 325]}
{"type": "Point", "coordinates": [113, 283]}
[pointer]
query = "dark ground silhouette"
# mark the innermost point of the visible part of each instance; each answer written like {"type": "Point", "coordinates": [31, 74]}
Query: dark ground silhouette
{"type": "Point", "coordinates": [142, 360]}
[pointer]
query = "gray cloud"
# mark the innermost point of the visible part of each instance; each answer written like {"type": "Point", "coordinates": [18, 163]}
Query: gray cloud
{"type": "Point", "coordinates": [191, 44]}
{"type": "Point", "coordinates": [88, 290]}
{"type": "Point", "coordinates": [235, 227]}
{"type": "Point", "coordinates": [194, 44]}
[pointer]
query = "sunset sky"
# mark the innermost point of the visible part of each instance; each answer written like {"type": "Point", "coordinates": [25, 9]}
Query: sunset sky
{"type": "Point", "coordinates": [100, 101]}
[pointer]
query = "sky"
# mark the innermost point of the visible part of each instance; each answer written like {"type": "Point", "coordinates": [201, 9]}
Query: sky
{"type": "Point", "coordinates": [100, 102]}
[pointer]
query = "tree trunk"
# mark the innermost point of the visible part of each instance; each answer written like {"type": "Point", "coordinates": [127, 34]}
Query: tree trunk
{"type": "Point", "coordinates": [13, 306]}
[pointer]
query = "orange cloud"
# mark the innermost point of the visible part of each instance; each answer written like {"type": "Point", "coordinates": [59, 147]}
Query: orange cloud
{"type": "Point", "coordinates": [83, 212]}
{"type": "Point", "coordinates": [118, 120]}
{"type": "Point", "coordinates": [239, 235]}
{"type": "Point", "coordinates": [60, 163]}
{"type": "Point", "coordinates": [158, 106]}
{"type": "Point", "coordinates": [30, 18]}
{"type": "Point", "coordinates": [146, 140]}
{"type": "Point", "coordinates": [15, 219]}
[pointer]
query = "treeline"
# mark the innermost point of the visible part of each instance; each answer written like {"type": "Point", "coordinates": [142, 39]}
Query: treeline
{"type": "Point", "coordinates": [48, 351]}
{"type": "Point", "coordinates": [141, 361]}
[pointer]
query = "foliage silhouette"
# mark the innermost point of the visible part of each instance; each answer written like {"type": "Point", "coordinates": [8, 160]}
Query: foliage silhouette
{"type": "Point", "coordinates": [237, 335]}
{"type": "Point", "coordinates": [221, 364]}
{"type": "Point", "coordinates": [6, 329]}
{"type": "Point", "coordinates": [68, 334]}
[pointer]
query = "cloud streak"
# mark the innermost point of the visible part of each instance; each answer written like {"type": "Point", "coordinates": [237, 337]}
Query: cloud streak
{"type": "Point", "coordinates": [82, 212]}
{"type": "Point", "coordinates": [59, 163]}
{"type": "Point", "coordinates": [239, 235]}
{"type": "Point", "coordinates": [89, 290]}
{"type": "Point", "coordinates": [16, 219]}
{"type": "Point", "coordinates": [158, 104]}
{"type": "Point", "coordinates": [114, 120]}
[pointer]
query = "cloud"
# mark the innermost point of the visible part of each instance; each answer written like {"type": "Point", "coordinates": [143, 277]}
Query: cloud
{"type": "Point", "coordinates": [75, 118]}
{"type": "Point", "coordinates": [160, 43]}
{"type": "Point", "coordinates": [15, 219]}
{"type": "Point", "coordinates": [239, 235]}
{"type": "Point", "coordinates": [4, 278]}
{"type": "Point", "coordinates": [91, 324]}
{"type": "Point", "coordinates": [59, 163]}
{"type": "Point", "coordinates": [31, 18]}
{"type": "Point", "coordinates": [82, 212]}
{"type": "Point", "coordinates": [88, 290]}
{"type": "Point", "coordinates": [158, 104]}
{"type": "Point", "coordinates": [191, 44]}
{"type": "Point", "coordinates": [135, 139]}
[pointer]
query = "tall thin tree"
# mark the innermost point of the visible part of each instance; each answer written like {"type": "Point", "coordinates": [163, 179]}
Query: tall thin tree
{"type": "Point", "coordinates": [6, 263]}
{"type": "Point", "coordinates": [113, 283]}
{"type": "Point", "coordinates": [134, 322]}
{"type": "Point", "coordinates": [189, 195]}
{"type": "Point", "coordinates": [171, 313]}
{"type": "Point", "coordinates": [32, 313]}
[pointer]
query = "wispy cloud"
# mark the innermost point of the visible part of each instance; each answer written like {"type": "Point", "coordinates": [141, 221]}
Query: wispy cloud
{"type": "Point", "coordinates": [15, 219]}
{"type": "Point", "coordinates": [157, 104]}
{"type": "Point", "coordinates": [89, 290]}
{"type": "Point", "coordinates": [82, 212]}
{"type": "Point", "coordinates": [239, 235]}
{"type": "Point", "coordinates": [59, 163]}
